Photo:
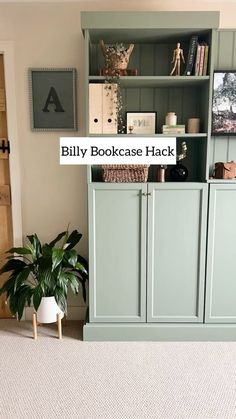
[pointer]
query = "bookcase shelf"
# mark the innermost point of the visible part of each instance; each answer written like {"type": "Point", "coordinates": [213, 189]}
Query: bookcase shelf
{"type": "Point", "coordinates": [156, 81]}
{"type": "Point", "coordinates": [186, 135]}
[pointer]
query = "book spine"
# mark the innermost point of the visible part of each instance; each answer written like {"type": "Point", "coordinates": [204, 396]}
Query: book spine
{"type": "Point", "coordinates": [201, 60]}
{"type": "Point", "coordinates": [173, 131]}
{"type": "Point", "coordinates": [191, 55]}
{"type": "Point", "coordinates": [173, 126]}
{"type": "Point", "coordinates": [205, 60]}
{"type": "Point", "coordinates": [197, 61]}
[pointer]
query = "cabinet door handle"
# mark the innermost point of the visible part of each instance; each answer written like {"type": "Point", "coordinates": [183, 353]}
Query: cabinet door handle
{"type": "Point", "coordinates": [146, 194]}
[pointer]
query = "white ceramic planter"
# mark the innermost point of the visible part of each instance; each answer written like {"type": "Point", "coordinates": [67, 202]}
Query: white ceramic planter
{"type": "Point", "coordinates": [48, 310]}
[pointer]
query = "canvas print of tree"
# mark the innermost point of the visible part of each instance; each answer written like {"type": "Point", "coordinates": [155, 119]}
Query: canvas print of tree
{"type": "Point", "coordinates": [224, 103]}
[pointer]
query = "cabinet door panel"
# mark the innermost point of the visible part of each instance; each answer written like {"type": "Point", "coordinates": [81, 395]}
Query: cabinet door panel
{"type": "Point", "coordinates": [221, 255]}
{"type": "Point", "coordinates": [176, 252]}
{"type": "Point", "coordinates": [117, 222]}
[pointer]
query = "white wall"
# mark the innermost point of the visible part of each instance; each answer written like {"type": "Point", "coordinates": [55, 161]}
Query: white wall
{"type": "Point", "coordinates": [48, 35]}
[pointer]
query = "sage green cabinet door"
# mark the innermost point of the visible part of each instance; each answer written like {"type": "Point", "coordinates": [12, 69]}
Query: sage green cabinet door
{"type": "Point", "coordinates": [117, 252]}
{"type": "Point", "coordinates": [221, 255]}
{"type": "Point", "coordinates": [177, 215]}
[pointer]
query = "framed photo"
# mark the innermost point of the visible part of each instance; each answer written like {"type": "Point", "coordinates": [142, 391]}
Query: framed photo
{"type": "Point", "coordinates": [53, 99]}
{"type": "Point", "coordinates": [224, 103]}
{"type": "Point", "coordinates": [141, 122]}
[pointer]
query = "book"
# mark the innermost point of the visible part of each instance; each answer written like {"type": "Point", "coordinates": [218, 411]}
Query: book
{"type": "Point", "coordinates": [197, 60]}
{"type": "Point", "coordinates": [191, 55]}
{"type": "Point", "coordinates": [204, 73]}
{"type": "Point", "coordinates": [202, 52]}
{"type": "Point", "coordinates": [173, 129]}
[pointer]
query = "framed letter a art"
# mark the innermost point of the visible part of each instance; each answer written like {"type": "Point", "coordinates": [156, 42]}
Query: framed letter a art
{"type": "Point", "coordinates": [53, 99]}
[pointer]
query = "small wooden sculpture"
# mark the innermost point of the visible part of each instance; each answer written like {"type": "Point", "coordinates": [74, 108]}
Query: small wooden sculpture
{"type": "Point", "coordinates": [177, 56]}
{"type": "Point", "coordinates": [116, 56]}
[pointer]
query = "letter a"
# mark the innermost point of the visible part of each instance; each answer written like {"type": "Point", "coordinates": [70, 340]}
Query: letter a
{"type": "Point", "coordinates": [53, 99]}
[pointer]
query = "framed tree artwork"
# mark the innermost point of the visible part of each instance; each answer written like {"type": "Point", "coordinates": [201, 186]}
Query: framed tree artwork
{"type": "Point", "coordinates": [53, 99]}
{"type": "Point", "coordinates": [224, 103]}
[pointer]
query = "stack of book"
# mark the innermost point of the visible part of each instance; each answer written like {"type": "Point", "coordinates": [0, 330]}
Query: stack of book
{"type": "Point", "coordinates": [197, 60]}
{"type": "Point", "coordinates": [173, 129]}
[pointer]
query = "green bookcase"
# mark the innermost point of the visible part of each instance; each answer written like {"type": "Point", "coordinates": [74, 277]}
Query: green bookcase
{"type": "Point", "coordinates": [148, 247]}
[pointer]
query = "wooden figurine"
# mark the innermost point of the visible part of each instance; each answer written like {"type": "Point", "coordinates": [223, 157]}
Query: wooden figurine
{"type": "Point", "coordinates": [177, 56]}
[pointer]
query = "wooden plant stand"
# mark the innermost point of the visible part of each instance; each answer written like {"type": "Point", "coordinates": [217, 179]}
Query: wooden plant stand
{"type": "Point", "coordinates": [35, 324]}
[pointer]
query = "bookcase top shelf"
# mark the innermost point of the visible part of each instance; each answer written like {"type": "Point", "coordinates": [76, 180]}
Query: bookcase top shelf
{"type": "Point", "coordinates": [152, 81]}
{"type": "Point", "coordinates": [145, 25]}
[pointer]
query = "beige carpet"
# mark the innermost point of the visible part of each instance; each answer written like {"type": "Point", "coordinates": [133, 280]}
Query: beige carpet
{"type": "Point", "coordinates": [49, 378]}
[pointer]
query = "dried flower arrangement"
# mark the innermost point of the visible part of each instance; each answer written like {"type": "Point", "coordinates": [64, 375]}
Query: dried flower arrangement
{"type": "Point", "coordinates": [116, 61]}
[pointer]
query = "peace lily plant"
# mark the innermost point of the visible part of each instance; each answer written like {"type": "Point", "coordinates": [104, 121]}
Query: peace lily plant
{"type": "Point", "coordinates": [44, 270]}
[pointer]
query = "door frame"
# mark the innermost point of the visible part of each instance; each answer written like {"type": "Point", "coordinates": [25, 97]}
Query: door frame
{"type": "Point", "coordinates": [7, 49]}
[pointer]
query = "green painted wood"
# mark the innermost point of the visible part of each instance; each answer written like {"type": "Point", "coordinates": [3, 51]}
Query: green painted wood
{"type": "Point", "coordinates": [222, 148]}
{"type": "Point", "coordinates": [211, 67]}
{"type": "Point", "coordinates": [133, 102]}
{"type": "Point", "coordinates": [176, 103]}
{"type": "Point", "coordinates": [161, 106]}
{"type": "Point", "coordinates": [149, 20]}
{"type": "Point", "coordinates": [234, 51]}
{"type": "Point", "coordinates": [221, 265]}
{"type": "Point", "coordinates": [176, 252]}
{"type": "Point", "coordinates": [155, 81]}
{"type": "Point", "coordinates": [162, 60]}
{"type": "Point", "coordinates": [226, 49]}
{"type": "Point", "coordinates": [86, 83]}
{"type": "Point", "coordinates": [146, 63]}
{"type": "Point", "coordinates": [231, 149]}
{"type": "Point", "coordinates": [189, 103]}
{"type": "Point", "coordinates": [159, 332]}
{"type": "Point", "coordinates": [147, 99]}
{"type": "Point", "coordinates": [117, 252]}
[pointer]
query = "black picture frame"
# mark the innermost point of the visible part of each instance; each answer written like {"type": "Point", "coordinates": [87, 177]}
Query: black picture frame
{"type": "Point", "coordinates": [143, 122]}
{"type": "Point", "coordinates": [224, 103]}
{"type": "Point", "coordinates": [53, 99]}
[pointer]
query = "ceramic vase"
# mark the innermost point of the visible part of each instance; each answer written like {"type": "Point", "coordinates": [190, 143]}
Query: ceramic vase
{"type": "Point", "coordinates": [48, 310]}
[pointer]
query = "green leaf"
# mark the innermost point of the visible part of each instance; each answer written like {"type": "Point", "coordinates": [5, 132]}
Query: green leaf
{"type": "Point", "coordinates": [73, 283]}
{"type": "Point", "coordinates": [9, 285]}
{"type": "Point", "coordinates": [57, 239]}
{"type": "Point", "coordinates": [36, 247]}
{"type": "Point", "coordinates": [73, 239]}
{"type": "Point", "coordinates": [13, 265]}
{"type": "Point", "coordinates": [20, 250]}
{"type": "Point", "coordinates": [80, 267]}
{"type": "Point", "coordinates": [57, 256]}
{"type": "Point", "coordinates": [46, 250]}
{"type": "Point", "coordinates": [71, 257]}
{"type": "Point", "coordinates": [21, 277]}
{"type": "Point", "coordinates": [22, 297]}
{"type": "Point", "coordinates": [61, 300]}
{"type": "Point", "coordinates": [37, 297]}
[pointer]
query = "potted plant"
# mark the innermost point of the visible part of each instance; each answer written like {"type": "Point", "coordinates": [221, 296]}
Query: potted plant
{"type": "Point", "coordinates": [44, 272]}
{"type": "Point", "coordinates": [116, 58]}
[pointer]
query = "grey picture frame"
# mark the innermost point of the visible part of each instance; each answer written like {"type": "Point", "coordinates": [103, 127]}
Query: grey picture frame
{"type": "Point", "coordinates": [52, 93]}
